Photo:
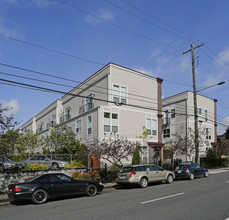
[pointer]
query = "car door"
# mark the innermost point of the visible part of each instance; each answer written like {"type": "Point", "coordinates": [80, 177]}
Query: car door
{"type": "Point", "coordinates": [160, 175]}
{"type": "Point", "coordinates": [198, 170]}
{"type": "Point", "coordinates": [63, 185]}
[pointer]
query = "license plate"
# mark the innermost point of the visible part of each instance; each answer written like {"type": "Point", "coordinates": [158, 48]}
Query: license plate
{"type": "Point", "coordinates": [179, 171]}
{"type": "Point", "coordinates": [122, 177]}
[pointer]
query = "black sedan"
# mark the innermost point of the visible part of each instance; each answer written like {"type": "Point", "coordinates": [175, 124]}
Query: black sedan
{"type": "Point", "coordinates": [189, 170]}
{"type": "Point", "coordinates": [41, 188]}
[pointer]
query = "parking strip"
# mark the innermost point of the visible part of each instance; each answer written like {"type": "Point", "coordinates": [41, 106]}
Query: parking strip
{"type": "Point", "coordinates": [166, 197]}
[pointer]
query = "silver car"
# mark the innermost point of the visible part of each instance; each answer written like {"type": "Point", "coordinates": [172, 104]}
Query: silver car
{"type": "Point", "coordinates": [43, 159]}
{"type": "Point", "coordinates": [143, 174]}
{"type": "Point", "coordinates": [7, 164]}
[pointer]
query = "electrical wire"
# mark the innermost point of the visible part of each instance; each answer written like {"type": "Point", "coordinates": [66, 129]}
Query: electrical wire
{"type": "Point", "coordinates": [117, 25]}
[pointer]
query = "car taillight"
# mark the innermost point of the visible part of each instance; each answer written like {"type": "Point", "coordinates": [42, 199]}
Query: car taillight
{"type": "Point", "coordinates": [16, 189]}
{"type": "Point", "coordinates": [187, 171]}
{"type": "Point", "coordinates": [132, 173]}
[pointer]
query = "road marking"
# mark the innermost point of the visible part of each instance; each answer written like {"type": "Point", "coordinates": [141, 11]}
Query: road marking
{"type": "Point", "coordinates": [166, 197]}
{"type": "Point", "coordinates": [227, 182]}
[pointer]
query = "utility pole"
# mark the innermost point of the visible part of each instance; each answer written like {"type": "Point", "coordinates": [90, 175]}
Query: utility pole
{"type": "Point", "coordinates": [197, 157]}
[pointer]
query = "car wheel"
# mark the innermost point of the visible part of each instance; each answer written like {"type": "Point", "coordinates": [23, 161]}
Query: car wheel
{"type": "Point", "coordinates": [143, 182]}
{"type": "Point", "coordinates": [169, 179]}
{"type": "Point", "coordinates": [55, 166]}
{"type": "Point", "coordinates": [91, 190]}
{"type": "Point", "coordinates": [191, 177]}
{"type": "Point", "coordinates": [39, 196]}
{"type": "Point", "coordinates": [206, 173]}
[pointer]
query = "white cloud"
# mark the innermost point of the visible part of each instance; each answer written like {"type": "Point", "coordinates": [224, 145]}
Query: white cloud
{"type": "Point", "coordinates": [44, 3]}
{"type": "Point", "coordinates": [102, 14]}
{"type": "Point", "coordinates": [143, 70]}
{"type": "Point", "coordinates": [14, 105]}
{"type": "Point", "coordinates": [154, 54]}
{"type": "Point", "coordinates": [224, 56]}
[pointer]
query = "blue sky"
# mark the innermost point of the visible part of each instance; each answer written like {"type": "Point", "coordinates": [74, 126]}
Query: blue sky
{"type": "Point", "coordinates": [145, 35]}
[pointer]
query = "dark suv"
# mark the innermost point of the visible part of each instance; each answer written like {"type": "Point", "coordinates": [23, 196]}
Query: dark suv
{"type": "Point", "coordinates": [190, 170]}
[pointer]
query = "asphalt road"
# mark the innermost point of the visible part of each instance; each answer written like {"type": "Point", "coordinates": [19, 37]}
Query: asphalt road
{"type": "Point", "coordinates": [203, 198]}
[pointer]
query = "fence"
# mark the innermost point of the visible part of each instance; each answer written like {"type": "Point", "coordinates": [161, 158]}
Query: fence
{"type": "Point", "coordinates": [212, 162]}
{"type": "Point", "coordinates": [52, 161]}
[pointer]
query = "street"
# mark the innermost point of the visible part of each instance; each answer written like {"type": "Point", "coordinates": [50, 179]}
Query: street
{"type": "Point", "coordinates": [202, 198]}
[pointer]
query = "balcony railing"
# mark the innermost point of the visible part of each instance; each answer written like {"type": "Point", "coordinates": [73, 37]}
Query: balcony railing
{"type": "Point", "coordinates": [86, 108]}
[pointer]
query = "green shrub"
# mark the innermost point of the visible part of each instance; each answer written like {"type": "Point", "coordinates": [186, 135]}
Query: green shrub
{"type": "Point", "coordinates": [86, 176]}
{"type": "Point", "coordinates": [136, 157]}
{"type": "Point", "coordinates": [35, 166]}
{"type": "Point", "coordinates": [75, 164]}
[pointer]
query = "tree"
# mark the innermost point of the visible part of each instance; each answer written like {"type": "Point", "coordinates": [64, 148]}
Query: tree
{"type": "Point", "coordinates": [62, 140]}
{"type": "Point", "coordinates": [227, 134]}
{"type": "Point", "coordinates": [185, 145]}
{"type": "Point", "coordinates": [114, 151]}
{"type": "Point", "coordinates": [8, 136]}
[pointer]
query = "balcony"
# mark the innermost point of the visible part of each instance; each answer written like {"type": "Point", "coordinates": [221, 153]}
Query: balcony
{"type": "Point", "coordinates": [85, 108]}
{"type": "Point", "coordinates": [166, 122]}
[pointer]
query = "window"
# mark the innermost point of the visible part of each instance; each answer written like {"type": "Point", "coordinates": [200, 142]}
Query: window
{"type": "Point", "coordinates": [89, 130]}
{"type": "Point", "coordinates": [119, 94]}
{"type": "Point", "coordinates": [166, 133]}
{"type": "Point", "coordinates": [114, 122]}
{"type": "Point", "coordinates": [110, 122]}
{"type": "Point", "coordinates": [107, 122]}
{"type": "Point", "coordinates": [53, 120]}
{"type": "Point", "coordinates": [166, 120]}
{"type": "Point", "coordinates": [206, 115]}
{"type": "Point", "coordinates": [151, 126]}
{"type": "Point", "coordinates": [173, 113]}
{"type": "Point", "coordinates": [89, 102]}
{"type": "Point", "coordinates": [200, 111]}
{"type": "Point", "coordinates": [67, 113]}
{"type": "Point", "coordinates": [208, 133]}
{"type": "Point", "coordinates": [78, 126]}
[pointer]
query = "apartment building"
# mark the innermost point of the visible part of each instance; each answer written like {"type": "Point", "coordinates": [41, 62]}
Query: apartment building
{"type": "Point", "coordinates": [113, 101]}
{"type": "Point", "coordinates": [178, 119]}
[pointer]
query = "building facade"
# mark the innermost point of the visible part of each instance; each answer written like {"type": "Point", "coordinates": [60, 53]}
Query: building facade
{"type": "Point", "coordinates": [114, 101]}
{"type": "Point", "coordinates": [178, 119]}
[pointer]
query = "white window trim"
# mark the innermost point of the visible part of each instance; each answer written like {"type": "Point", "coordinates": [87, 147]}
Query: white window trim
{"type": "Point", "coordinates": [80, 127]}
{"type": "Point", "coordinates": [120, 97]}
{"type": "Point", "coordinates": [111, 125]}
{"type": "Point", "coordinates": [91, 125]}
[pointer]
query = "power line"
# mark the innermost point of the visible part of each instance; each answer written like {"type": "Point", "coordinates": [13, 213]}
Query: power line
{"type": "Point", "coordinates": [51, 50]}
{"type": "Point", "coordinates": [29, 86]}
{"type": "Point", "coordinates": [118, 26]}
{"type": "Point", "coordinates": [160, 21]}
{"type": "Point", "coordinates": [143, 19]}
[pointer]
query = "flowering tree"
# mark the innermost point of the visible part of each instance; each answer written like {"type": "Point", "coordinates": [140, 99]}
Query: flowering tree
{"type": "Point", "coordinates": [114, 151]}
{"type": "Point", "coordinates": [185, 144]}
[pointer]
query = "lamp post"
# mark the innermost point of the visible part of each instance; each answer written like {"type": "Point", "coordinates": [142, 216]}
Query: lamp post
{"type": "Point", "coordinates": [197, 156]}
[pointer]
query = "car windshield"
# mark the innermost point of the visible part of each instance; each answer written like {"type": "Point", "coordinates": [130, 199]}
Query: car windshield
{"type": "Point", "coordinates": [5, 160]}
{"type": "Point", "coordinates": [127, 169]}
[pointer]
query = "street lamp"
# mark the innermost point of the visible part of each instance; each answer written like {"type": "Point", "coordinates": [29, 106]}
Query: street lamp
{"type": "Point", "coordinates": [197, 156]}
{"type": "Point", "coordinates": [218, 84]}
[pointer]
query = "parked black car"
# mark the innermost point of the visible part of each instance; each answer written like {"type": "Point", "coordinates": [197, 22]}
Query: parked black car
{"type": "Point", "coordinates": [189, 170]}
{"type": "Point", "coordinates": [9, 165]}
{"type": "Point", "coordinates": [41, 188]}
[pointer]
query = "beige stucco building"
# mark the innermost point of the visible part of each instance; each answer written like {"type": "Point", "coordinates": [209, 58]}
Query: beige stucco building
{"type": "Point", "coordinates": [113, 101]}
{"type": "Point", "coordinates": [178, 117]}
